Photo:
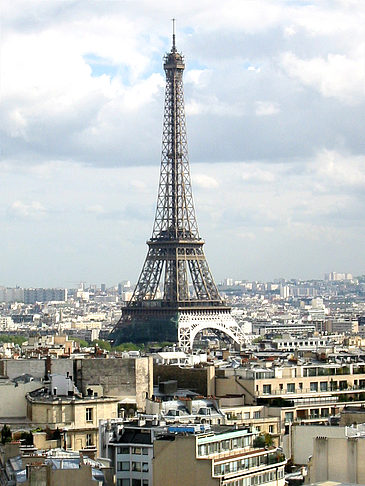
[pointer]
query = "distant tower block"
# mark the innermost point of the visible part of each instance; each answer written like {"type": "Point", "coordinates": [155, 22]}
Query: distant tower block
{"type": "Point", "coordinates": [175, 297]}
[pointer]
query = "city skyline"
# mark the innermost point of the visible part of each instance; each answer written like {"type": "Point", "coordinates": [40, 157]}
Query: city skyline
{"type": "Point", "coordinates": [276, 148]}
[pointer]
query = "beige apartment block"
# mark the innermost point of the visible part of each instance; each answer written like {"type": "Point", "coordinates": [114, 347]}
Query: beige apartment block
{"type": "Point", "coordinates": [290, 382]}
{"type": "Point", "coordinates": [256, 416]}
{"type": "Point", "coordinates": [298, 443]}
{"type": "Point", "coordinates": [77, 417]}
{"type": "Point", "coordinates": [226, 458]}
{"type": "Point", "coordinates": [337, 459]}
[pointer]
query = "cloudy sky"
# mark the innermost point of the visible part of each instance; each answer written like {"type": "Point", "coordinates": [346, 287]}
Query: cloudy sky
{"type": "Point", "coordinates": [275, 103]}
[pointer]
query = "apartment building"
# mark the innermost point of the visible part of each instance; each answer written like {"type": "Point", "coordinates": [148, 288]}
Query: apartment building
{"type": "Point", "coordinates": [76, 416]}
{"type": "Point", "coordinates": [253, 416]}
{"type": "Point", "coordinates": [220, 457]}
{"type": "Point", "coordinates": [339, 458]}
{"type": "Point", "coordinates": [263, 385]}
{"type": "Point", "coordinates": [146, 453]}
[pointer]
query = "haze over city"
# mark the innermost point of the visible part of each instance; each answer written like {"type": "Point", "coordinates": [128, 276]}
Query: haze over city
{"type": "Point", "coordinates": [274, 95]}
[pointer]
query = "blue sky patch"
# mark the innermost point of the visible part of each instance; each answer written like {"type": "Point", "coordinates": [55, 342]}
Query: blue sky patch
{"type": "Point", "coordinates": [100, 66]}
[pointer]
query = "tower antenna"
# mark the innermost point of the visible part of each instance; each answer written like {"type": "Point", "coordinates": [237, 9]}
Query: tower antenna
{"type": "Point", "coordinates": [173, 35]}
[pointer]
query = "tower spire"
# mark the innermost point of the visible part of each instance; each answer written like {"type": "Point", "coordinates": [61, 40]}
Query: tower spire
{"type": "Point", "coordinates": [173, 36]}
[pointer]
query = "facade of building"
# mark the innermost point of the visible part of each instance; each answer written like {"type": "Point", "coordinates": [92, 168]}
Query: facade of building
{"type": "Point", "coordinates": [216, 458]}
{"type": "Point", "coordinates": [154, 453]}
{"type": "Point", "coordinates": [78, 418]}
{"type": "Point", "coordinates": [338, 459]}
{"type": "Point", "coordinates": [293, 382]}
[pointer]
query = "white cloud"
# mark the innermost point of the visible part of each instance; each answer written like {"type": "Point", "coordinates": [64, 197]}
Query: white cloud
{"type": "Point", "coordinates": [289, 31]}
{"type": "Point", "coordinates": [198, 77]}
{"type": "Point", "coordinates": [212, 105]}
{"type": "Point", "coordinates": [204, 181]}
{"type": "Point", "coordinates": [336, 169]}
{"type": "Point", "coordinates": [265, 108]}
{"type": "Point", "coordinates": [254, 69]}
{"type": "Point", "coordinates": [337, 76]}
{"type": "Point", "coordinates": [33, 209]}
{"type": "Point", "coordinates": [95, 209]}
{"type": "Point", "coordinates": [138, 185]}
{"type": "Point", "coordinates": [257, 175]}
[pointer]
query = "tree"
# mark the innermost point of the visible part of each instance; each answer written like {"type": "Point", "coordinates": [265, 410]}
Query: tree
{"type": "Point", "coordinates": [27, 438]}
{"type": "Point", "coordinates": [81, 342]}
{"type": "Point", "coordinates": [5, 434]}
{"type": "Point", "coordinates": [263, 440]}
{"type": "Point", "coordinates": [103, 344]}
{"type": "Point", "coordinates": [259, 441]}
{"type": "Point", "coordinates": [127, 347]}
{"type": "Point", "coordinates": [268, 440]}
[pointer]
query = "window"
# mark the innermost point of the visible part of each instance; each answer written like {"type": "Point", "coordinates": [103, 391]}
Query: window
{"type": "Point", "coordinates": [301, 386]}
{"type": "Point", "coordinates": [144, 482]}
{"type": "Point", "coordinates": [89, 440]}
{"type": "Point", "coordinates": [271, 429]}
{"type": "Point", "coordinates": [226, 445]}
{"type": "Point", "coordinates": [89, 415]}
{"type": "Point", "coordinates": [246, 415]}
{"type": "Point", "coordinates": [343, 385]}
{"type": "Point", "coordinates": [289, 416]}
{"type": "Point", "coordinates": [323, 386]}
{"type": "Point", "coordinates": [123, 466]}
{"type": "Point", "coordinates": [290, 387]}
{"type": "Point", "coordinates": [123, 450]}
{"type": "Point", "coordinates": [313, 386]}
{"type": "Point", "coordinates": [280, 386]}
{"type": "Point", "coordinates": [256, 415]}
{"type": "Point", "coordinates": [136, 466]}
{"type": "Point", "coordinates": [136, 450]}
{"type": "Point", "coordinates": [145, 451]}
{"type": "Point", "coordinates": [136, 482]}
{"type": "Point", "coordinates": [123, 482]}
{"type": "Point", "coordinates": [267, 389]}
{"type": "Point", "coordinates": [145, 467]}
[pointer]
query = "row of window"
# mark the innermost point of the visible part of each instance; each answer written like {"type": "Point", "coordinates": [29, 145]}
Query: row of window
{"type": "Point", "coordinates": [247, 463]}
{"type": "Point", "coordinates": [245, 415]}
{"type": "Point", "coordinates": [133, 450]}
{"type": "Point", "coordinates": [262, 478]}
{"type": "Point", "coordinates": [224, 445]}
{"type": "Point", "coordinates": [313, 386]}
{"type": "Point", "coordinates": [132, 482]}
{"type": "Point", "coordinates": [133, 466]}
{"type": "Point", "coordinates": [295, 344]}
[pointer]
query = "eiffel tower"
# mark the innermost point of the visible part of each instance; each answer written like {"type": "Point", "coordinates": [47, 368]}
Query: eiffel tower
{"type": "Point", "coordinates": [188, 301]}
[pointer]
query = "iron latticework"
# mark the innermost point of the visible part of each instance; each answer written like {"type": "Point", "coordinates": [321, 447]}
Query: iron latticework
{"type": "Point", "coordinates": [175, 288]}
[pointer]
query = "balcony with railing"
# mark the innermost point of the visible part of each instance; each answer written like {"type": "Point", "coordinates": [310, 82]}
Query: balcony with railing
{"type": "Point", "coordinates": [318, 389]}
{"type": "Point", "coordinates": [253, 463]}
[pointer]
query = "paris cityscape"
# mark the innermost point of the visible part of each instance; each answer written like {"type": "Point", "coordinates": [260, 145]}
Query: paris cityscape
{"type": "Point", "coordinates": [201, 364]}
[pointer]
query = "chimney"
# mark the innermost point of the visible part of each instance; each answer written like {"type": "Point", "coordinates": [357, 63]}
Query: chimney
{"type": "Point", "coordinates": [48, 368]}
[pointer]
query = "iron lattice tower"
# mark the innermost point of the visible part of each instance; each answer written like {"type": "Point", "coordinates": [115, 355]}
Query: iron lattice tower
{"type": "Point", "coordinates": [175, 296]}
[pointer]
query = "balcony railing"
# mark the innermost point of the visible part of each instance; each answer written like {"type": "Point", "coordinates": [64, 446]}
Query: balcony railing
{"type": "Point", "coordinates": [252, 464]}
{"type": "Point", "coordinates": [304, 391]}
